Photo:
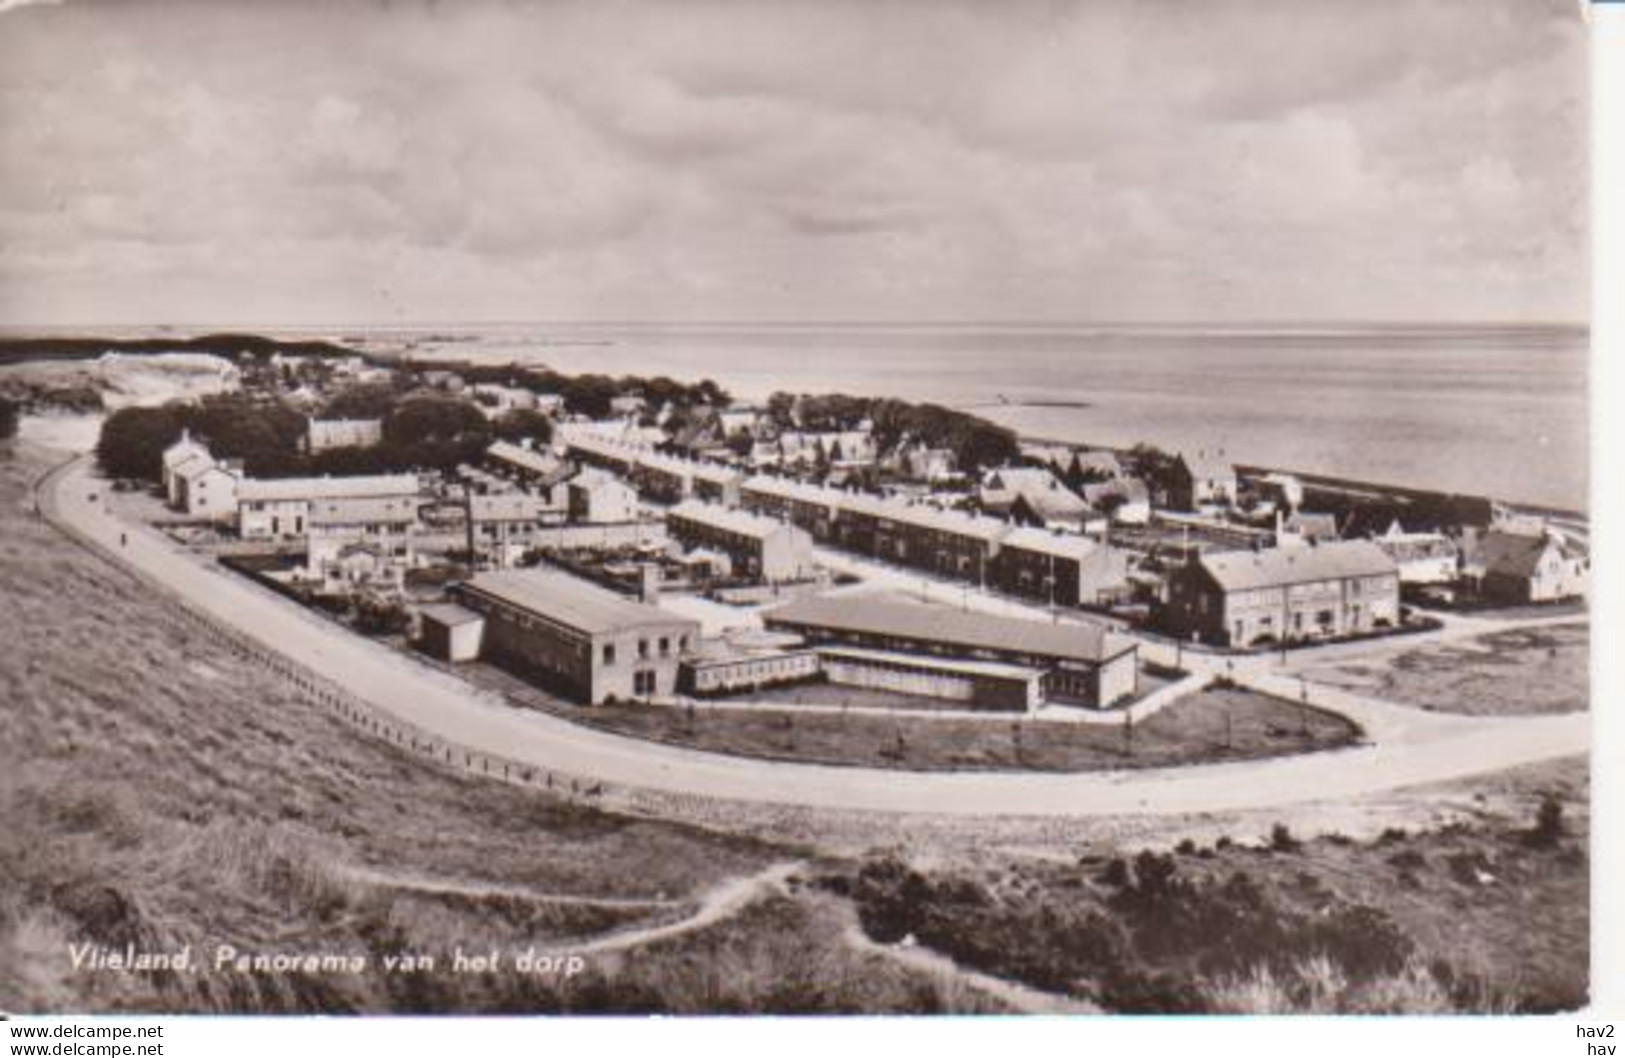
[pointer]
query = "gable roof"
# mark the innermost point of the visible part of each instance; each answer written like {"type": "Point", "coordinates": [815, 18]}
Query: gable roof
{"type": "Point", "coordinates": [1277, 566]}
{"type": "Point", "coordinates": [526, 459]}
{"type": "Point", "coordinates": [731, 519]}
{"type": "Point", "coordinates": [1514, 554]}
{"type": "Point", "coordinates": [1044, 542]}
{"type": "Point", "coordinates": [351, 510]}
{"type": "Point", "coordinates": [1204, 464]}
{"type": "Point", "coordinates": [1131, 490]}
{"type": "Point", "coordinates": [890, 615]}
{"type": "Point", "coordinates": [275, 489]}
{"type": "Point", "coordinates": [569, 600]}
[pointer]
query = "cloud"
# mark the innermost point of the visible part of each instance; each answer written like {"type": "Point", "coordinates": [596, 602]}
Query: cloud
{"type": "Point", "coordinates": [793, 158]}
{"type": "Point", "coordinates": [8, 6]}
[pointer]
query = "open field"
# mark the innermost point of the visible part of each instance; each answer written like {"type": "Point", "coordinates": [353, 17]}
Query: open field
{"type": "Point", "coordinates": [1487, 915]}
{"type": "Point", "coordinates": [160, 791]}
{"type": "Point", "coordinates": [1210, 725]}
{"type": "Point", "coordinates": [1531, 670]}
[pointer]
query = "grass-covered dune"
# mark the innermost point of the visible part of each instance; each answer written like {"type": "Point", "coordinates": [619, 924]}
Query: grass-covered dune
{"type": "Point", "coordinates": [160, 792]}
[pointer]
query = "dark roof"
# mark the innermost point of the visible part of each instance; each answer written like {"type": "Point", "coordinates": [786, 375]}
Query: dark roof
{"type": "Point", "coordinates": [569, 600]}
{"type": "Point", "coordinates": [1513, 554]}
{"type": "Point", "coordinates": [1275, 566]}
{"type": "Point", "coordinates": [890, 616]}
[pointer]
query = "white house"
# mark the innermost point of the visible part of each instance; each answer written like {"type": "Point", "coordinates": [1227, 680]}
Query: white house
{"type": "Point", "coordinates": [324, 434]}
{"type": "Point", "coordinates": [599, 497]}
{"type": "Point", "coordinates": [279, 508]}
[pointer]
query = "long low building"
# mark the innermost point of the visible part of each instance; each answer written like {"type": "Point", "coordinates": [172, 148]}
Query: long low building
{"type": "Point", "coordinates": [572, 636]}
{"type": "Point", "coordinates": [759, 548]}
{"type": "Point", "coordinates": [1081, 664]}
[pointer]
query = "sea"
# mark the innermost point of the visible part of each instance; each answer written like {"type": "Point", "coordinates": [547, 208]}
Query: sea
{"type": "Point", "coordinates": [1492, 410]}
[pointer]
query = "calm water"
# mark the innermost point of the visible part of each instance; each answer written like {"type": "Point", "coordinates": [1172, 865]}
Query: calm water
{"type": "Point", "coordinates": [1500, 411]}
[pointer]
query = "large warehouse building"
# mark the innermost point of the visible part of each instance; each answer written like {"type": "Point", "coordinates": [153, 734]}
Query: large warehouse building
{"type": "Point", "coordinates": [577, 638]}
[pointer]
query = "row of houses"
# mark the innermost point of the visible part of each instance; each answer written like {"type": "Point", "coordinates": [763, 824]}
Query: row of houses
{"type": "Point", "coordinates": [1055, 567]}
{"type": "Point", "coordinates": [1313, 590]}
{"type": "Point", "coordinates": [657, 476]}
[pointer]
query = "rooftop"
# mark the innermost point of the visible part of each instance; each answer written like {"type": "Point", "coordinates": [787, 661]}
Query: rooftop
{"type": "Point", "coordinates": [570, 600]}
{"type": "Point", "coordinates": [524, 458]}
{"type": "Point", "coordinates": [1046, 542]}
{"type": "Point", "coordinates": [889, 615]}
{"type": "Point", "coordinates": [449, 614]}
{"type": "Point", "coordinates": [373, 485]}
{"type": "Point", "coordinates": [730, 519]}
{"type": "Point", "coordinates": [1273, 567]}
{"type": "Point", "coordinates": [350, 510]}
{"type": "Point", "coordinates": [507, 506]}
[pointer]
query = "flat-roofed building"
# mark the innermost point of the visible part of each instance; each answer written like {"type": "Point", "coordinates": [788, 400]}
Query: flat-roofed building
{"type": "Point", "coordinates": [1311, 591]}
{"type": "Point", "coordinates": [585, 641]}
{"type": "Point", "coordinates": [450, 632]}
{"type": "Point", "coordinates": [279, 508]}
{"type": "Point", "coordinates": [1063, 569]}
{"type": "Point", "coordinates": [758, 547]}
{"type": "Point", "coordinates": [1081, 663]}
{"type": "Point", "coordinates": [974, 684]}
{"type": "Point", "coordinates": [747, 660]}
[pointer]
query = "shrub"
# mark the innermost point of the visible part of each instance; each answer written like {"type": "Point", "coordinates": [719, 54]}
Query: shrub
{"type": "Point", "coordinates": [1549, 829]}
{"type": "Point", "coordinates": [1281, 839]}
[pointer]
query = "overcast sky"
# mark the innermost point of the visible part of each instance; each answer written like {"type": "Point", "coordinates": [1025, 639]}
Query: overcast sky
{"type": "Point", "coordinates": [292, 162]}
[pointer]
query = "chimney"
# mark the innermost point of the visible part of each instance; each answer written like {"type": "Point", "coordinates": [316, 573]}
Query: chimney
{"type": "Point", "coordinates": [649, 582]}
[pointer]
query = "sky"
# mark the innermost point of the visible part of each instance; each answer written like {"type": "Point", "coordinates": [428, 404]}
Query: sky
{"type": "Point", "coordinates": [301, 163]}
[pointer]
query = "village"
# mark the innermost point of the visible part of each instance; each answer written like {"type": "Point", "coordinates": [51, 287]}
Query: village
{"type": "Point", "coordinates": [607, 548]}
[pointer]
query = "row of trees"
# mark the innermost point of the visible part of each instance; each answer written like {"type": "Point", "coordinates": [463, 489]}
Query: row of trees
{"type": "Point", "coordinates": [420, 431]}
{"type": "Point", "coordinates": [590, 394]}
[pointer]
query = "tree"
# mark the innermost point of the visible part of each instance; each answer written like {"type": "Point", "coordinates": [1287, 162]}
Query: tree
{"type": "Point", "coordinates": [366, 400]}
{"type": "Point", "coordinates": [435, 431]}
{"type": "Point", "coordinates": [523, 424]}
{"type": "Point", "coordinates": [132, 440]}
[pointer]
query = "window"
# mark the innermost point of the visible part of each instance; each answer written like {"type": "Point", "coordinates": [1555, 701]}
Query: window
{"type": "Point", "coordinates": [643, 649]}
{"type": "Point", "coordinates": [665, 646]}
{"type": "Point", "coordinates": [609, 653]}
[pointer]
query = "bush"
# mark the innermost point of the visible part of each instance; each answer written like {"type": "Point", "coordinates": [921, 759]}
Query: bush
{"type": "Point", "coordinates": [1549, 829]}
{"type": "Point", "coordinates": [1281, 839]}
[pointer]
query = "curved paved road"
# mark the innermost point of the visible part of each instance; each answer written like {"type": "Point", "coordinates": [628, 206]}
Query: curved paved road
{"type": "Point", "coordinates": [1410, 746]}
